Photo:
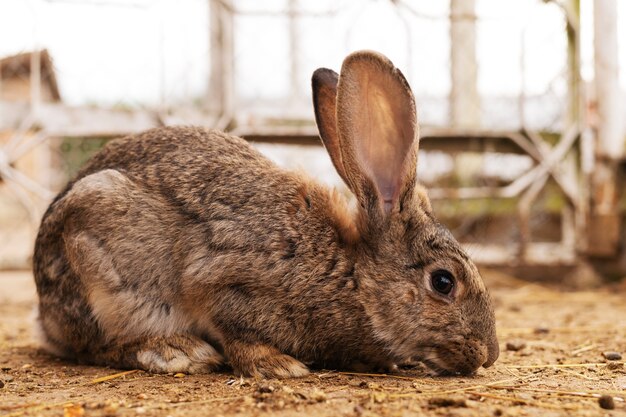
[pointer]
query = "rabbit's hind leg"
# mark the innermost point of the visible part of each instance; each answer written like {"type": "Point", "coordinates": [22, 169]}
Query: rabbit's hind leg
{"type": "Point", "coordinates": [160, 354]}
{"type": "Point", "coordinates": [114, 242]}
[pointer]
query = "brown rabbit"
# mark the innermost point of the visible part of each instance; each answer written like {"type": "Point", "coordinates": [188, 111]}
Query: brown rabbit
{"type": "Point", "coordinates": [181, 249]}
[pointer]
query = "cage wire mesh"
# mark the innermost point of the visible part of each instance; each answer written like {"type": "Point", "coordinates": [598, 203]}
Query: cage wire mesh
{"type": "Point", "coordinates": [156, 58]}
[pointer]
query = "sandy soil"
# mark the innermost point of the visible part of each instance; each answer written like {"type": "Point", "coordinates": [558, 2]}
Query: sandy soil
{"type": "Point", "coordinates": [551, 363]}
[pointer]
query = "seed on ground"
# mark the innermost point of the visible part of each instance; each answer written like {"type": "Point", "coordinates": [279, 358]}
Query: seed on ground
{"type": "Point", "coordinates": [265, 389]}
{"type": "Point", "coordinates": [515, 345]}
{"type": "Point", "coordinates": [542, 330]}
{"type": "Point", "coordinates": [612, 356]}
{"type": "Point", "coordinates": [445, 402]}
{"type": "Point", "coordinates": [606, 402]}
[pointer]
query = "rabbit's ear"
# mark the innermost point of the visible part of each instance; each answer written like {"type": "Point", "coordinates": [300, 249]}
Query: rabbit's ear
{"type": "Point", "coordinates": [377, 129]}
{"type": "Point", "coordinates": [324, 83]}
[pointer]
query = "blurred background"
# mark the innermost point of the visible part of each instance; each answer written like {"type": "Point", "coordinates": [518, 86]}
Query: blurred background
{"type": "Point", "coordinates": [521, 104]}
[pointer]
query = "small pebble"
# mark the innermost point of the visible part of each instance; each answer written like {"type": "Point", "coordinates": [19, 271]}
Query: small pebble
{"type": "Point", "coordinates": [140, 410]}
{"type": "Point", "coordinates": [179, 375]}
{"type": "Point", "coordinates": [515, 345]}
{"type": "Point", "coordinates": [318, 395]}
{"type": "Point", "coordinates": [445, 402]}
{"type": "Point", "coordinates": [614, 366]}
{"type": "Point", "coordinates": [73, 410]}
{"type": "Point", "coordinates": [542, 330]}
{"type": "Point", "coordinates": [606, 402]}
{"type": "Point", "coordinates": [265, 389]}
{"type": "Point", "coordinates": [111, 409]}
{"type": "Point", "coordinates": [612, 356]}
{"type": "Point", "coordinates": [379, 397]}
{"type": "Point", "coordinates": [1, 384]}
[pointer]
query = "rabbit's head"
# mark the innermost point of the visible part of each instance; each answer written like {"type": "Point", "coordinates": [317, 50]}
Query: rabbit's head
{"type": "Point", "coordinates": [424, 297]}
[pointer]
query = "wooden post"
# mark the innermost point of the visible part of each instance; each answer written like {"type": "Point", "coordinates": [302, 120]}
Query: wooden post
{"type": "Point", "coordinates": [294, 49]}
{"type": "Point", "coordinates": [221, 82]}
{"type": "Point", "coordinates": [610, 127]}
{"type": "Point", "coordinates": [35, 82]}
{"type": "Point", "coordinates": [604, 224]}
{"type": "Point", "coordinates": [464, 98]}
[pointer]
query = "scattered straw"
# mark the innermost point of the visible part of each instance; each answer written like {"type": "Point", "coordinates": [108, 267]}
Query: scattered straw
{"type": "Point", "coordinates": [587, 394]}
{"type": "Point", "coordinates": [407, 378]}
{"type": "Point", "coordinates": [531, 403]}
{"type": "Point", "coordinates": [531, 330]}
{"type": "Point", "coordinates": [585, 348]}
{"type": "Point", "coordinates": [559, 365]}
{"type": "Point", "coordinates": [113, 376]}
{"type": "Point", "coordinates": [578, 375]}
{"type": "Point", "coordinates": [26, 408]}
{"type": "Point", "coordinates": [456, 390]}
{"type": "Point", "coordinates": [208, 401]}
{"type": "Point", "coordinates": [18, 406]}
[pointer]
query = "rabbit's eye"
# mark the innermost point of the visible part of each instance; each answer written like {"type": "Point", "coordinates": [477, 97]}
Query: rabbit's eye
{"type": "Point", "coordinates": [442, 281]}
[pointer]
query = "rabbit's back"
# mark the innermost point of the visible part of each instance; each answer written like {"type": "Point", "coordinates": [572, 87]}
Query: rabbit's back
{"type": "Point", "coordinates": [153, 220]}
{"type": "Point", "coordinates": [205, 177]}
{"type": "Point", "coordinates": [191, 165]}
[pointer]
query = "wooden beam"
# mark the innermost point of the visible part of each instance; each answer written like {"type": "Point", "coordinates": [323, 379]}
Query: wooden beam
{"type": "Point", "coordinates": [464, 96]}
{"type": "Point", "coordinates": [442, 139]}
{"type": "Point", "coordinates": [61, 120]}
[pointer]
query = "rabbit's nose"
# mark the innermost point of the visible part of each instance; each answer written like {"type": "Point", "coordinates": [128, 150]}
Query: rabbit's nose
{"type": "Point", "coordinates": [493, 351]}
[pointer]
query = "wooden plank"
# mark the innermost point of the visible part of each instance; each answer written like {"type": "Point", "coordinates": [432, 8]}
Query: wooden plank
{"type": "Point", "coordinates": [62, 120]}
{"type": "Point", "coordinates": [442, 139]}
{"type": "Point", "coordinates": [538, 253]}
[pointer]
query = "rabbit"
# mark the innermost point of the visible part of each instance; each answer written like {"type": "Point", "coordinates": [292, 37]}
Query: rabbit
{"type": "Point", "coordinates": [183, 249]}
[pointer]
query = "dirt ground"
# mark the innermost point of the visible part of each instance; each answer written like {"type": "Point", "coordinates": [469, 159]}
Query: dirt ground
{"type": "Point", "coordinates": [552, 363]}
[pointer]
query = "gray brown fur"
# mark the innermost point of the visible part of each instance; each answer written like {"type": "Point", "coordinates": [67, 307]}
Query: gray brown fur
{"type": "Point", "coordinates": [181, 249]}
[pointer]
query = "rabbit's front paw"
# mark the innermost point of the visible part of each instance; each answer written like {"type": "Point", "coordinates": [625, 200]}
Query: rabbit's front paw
{"type": "Point", "coordinates": [264, 361]}
{"type": "Point", "coordinates": [178, 353]}
{"type": "Point", "coordinates": [377, 367]}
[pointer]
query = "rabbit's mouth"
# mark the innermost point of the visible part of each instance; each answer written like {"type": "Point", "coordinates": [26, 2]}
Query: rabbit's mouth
{"type": "Point", "coordinates": [432, 359]}
{"type": "Point", "coordinates": [438, 370]}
